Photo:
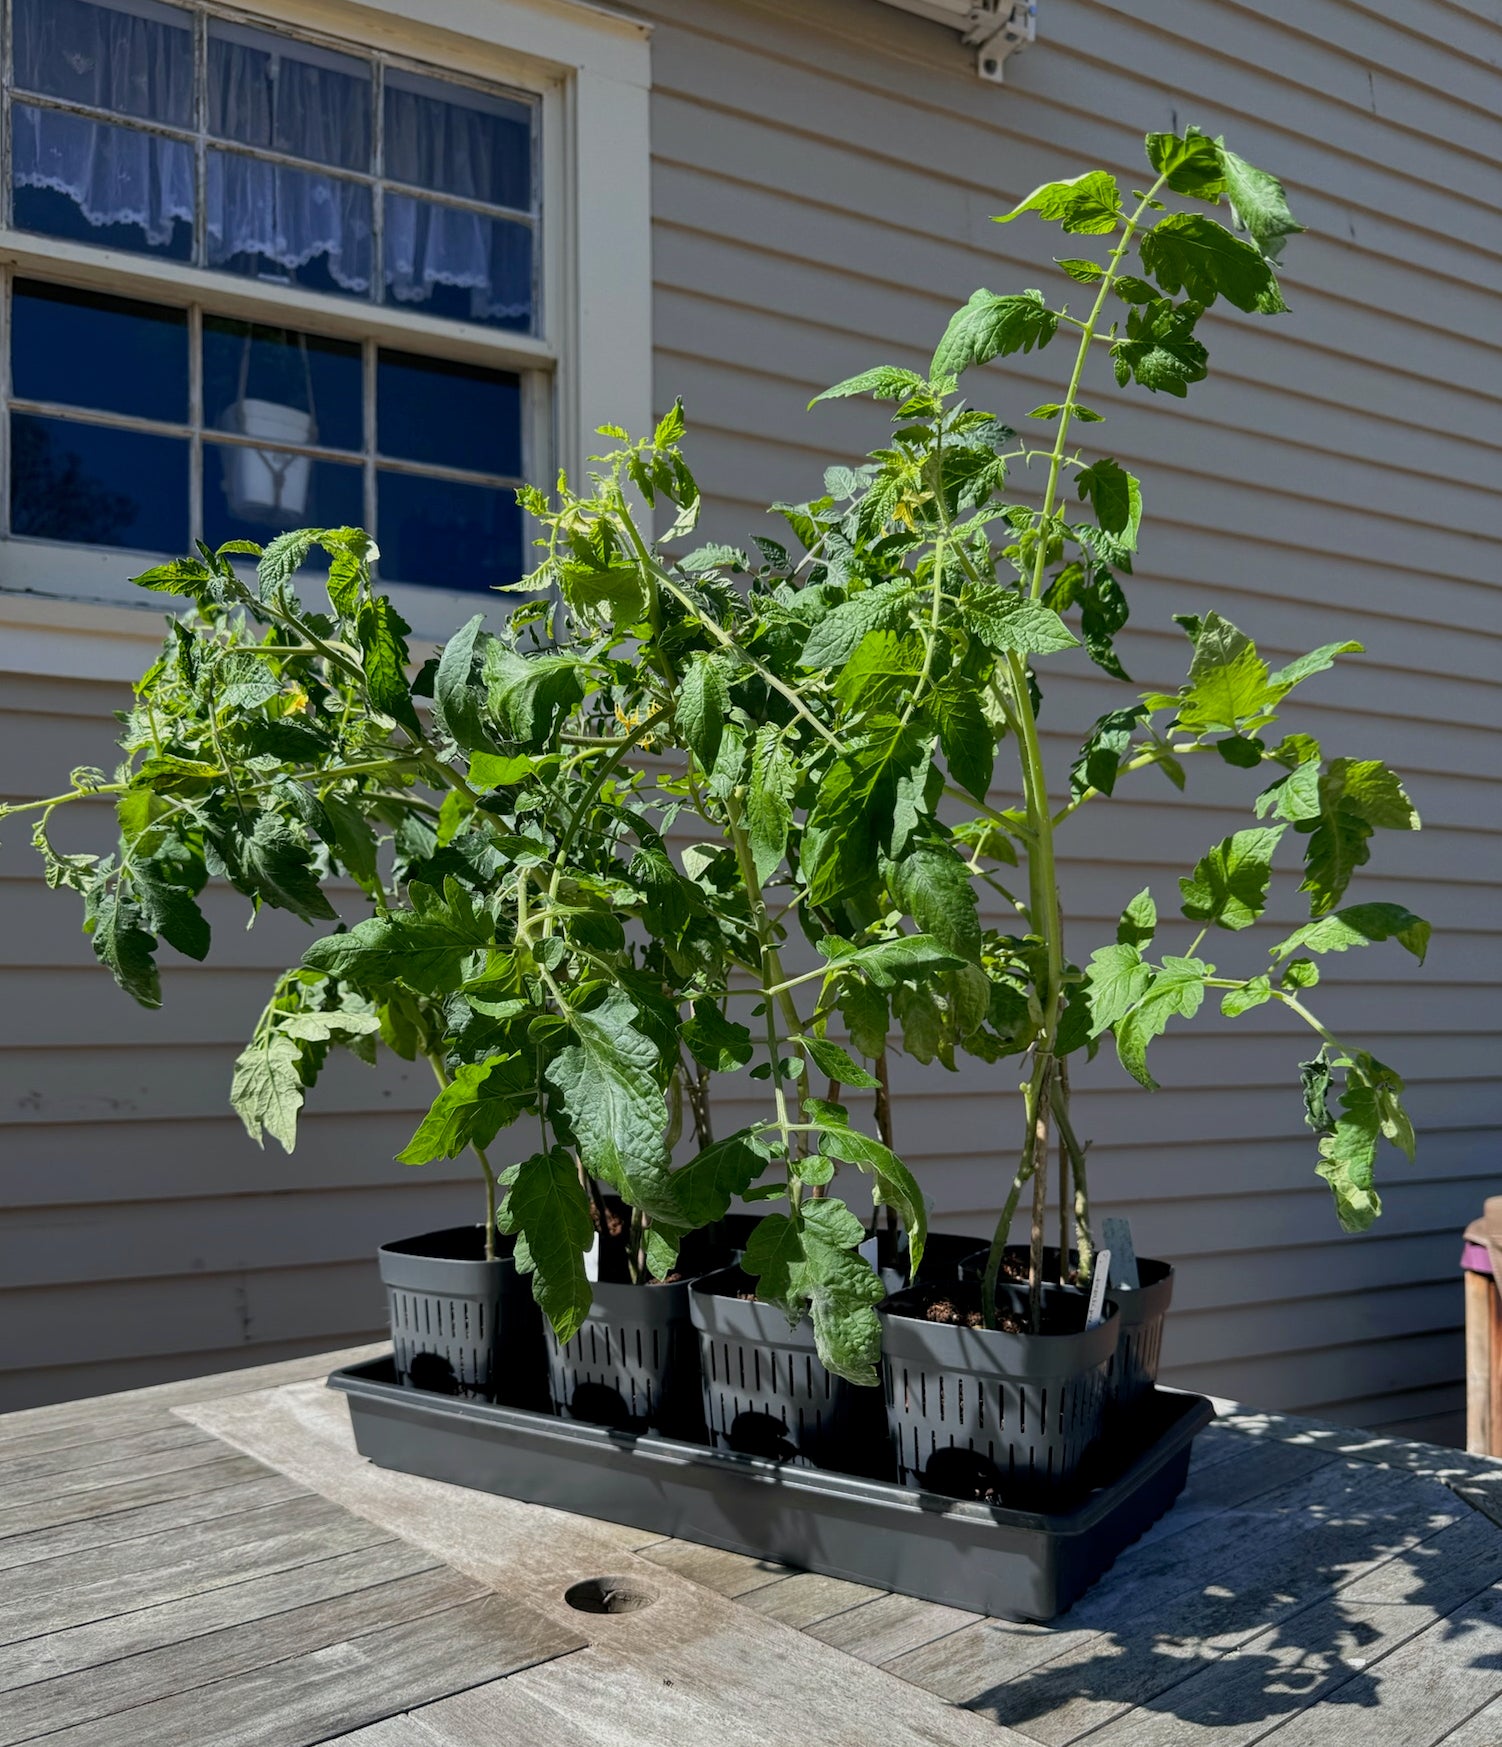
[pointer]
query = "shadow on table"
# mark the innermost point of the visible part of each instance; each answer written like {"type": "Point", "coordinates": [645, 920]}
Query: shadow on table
{"type": "Point", "coordinates": [1241, 1615]}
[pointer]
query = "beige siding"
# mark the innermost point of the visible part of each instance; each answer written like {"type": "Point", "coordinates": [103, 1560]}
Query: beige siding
{"type": "Point", "coordinates": [824, 174]}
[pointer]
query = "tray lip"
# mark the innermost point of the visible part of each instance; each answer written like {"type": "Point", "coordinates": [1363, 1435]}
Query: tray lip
{"type": "Point", "coordinates": [655, 1454]}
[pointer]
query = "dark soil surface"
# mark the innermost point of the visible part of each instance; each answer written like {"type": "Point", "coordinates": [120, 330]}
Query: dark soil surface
{"type": "Point", "coordinates": [960, 1307]}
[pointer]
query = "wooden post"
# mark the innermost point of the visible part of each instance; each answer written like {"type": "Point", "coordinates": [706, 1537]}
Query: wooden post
{"type": "Point", "coordinates": [1482, 1409]}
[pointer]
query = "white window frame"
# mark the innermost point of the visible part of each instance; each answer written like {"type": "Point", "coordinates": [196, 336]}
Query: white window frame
{"type": "Point", "coordinates": [589, 364]}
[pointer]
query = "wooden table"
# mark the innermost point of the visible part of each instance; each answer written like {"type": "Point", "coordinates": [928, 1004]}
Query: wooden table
{"type": "Point", "coordinates": [210, 1564]}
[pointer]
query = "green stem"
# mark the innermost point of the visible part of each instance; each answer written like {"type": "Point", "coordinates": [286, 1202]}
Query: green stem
{"type": "Point", "coordinates": [440, 1073]}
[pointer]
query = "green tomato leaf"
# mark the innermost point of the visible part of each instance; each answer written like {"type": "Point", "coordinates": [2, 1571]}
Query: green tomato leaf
{"type": "Point", "coordinates": [885, 382]}
{"type": "Point", "coordinates": [459, 692]}
{"type": "Point", "coordinates": [769, 800]}
{"type": "Point", "coordinates": [1115, 496]}
{"type": "Point", "coordinates": [966, 737]}
{"type": "Point", "coordinates": [267, 1090]}
{"type": "Point", "coordinates": [1347, 1156]}
{"type": "Point", "coordinates": [276, 866]}
{"type": "Point", "coordinates": [993, 327]}
{"type": "Point", "coordinates": [840, 632]}
{"type": "Point", "coordinates": [1259, 202]}
{"type": "Point", "coordinates": [608, 1082]}
{"type": "Point", "coordinates": [1139, 921]}
{"type": "Point", "coordinates": [1089, 205]}
{"type": "Point", "coordinates": [1159, 350]}
{"type": "Point", "coordinates": [480, 1100]}
{"type": "Point", "coordinates": [1314, 1083]}
{"type": "Point", "coordinates": [1252, 994]}
{"type": "Point", "coordinates": [722, 1172]}
{"type": "Point", "coordinates": [1188, 252]}
{"type": "Point", "coordinates": [531, 695]}
{"type": "Point", "coordinates": [839, 1064]}
{"type": "Point", "coordinates": [382, 632]}
{"type": "Point", "coordinates": [894, 1185]}
{"type": "Point", "coordinates": [703, 699]}
{"type": "Point", "coordinates": [1360, 925]}
{"type": "Point", "coordinates": [718, 1042]}
{"type": "Point", "coordinates": [930, 883]}
{"type": "Point", "coordinates": [1229, 884]}
{"type": "Point", "coordinates": [423, 947]}
{"type": "Point", "coordinates": [1191, 163]}
{"type": "Point", "coordinates": [1006, 622]}
{"type": "Point", "coordinates": [908, 958]}
{"type": "Point", "coordinates": [1117, 979]}
{"type": "Point", "coordinates": [122, 943]}
{"type": "Point", "coordinates": [1175, 991]}
{"type": "Point", "coordinates": [547, 1211]}
{"type": "Point", "coordinates": [1228, 680]}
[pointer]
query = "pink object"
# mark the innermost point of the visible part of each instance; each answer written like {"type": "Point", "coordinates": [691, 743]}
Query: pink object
{"type": "Point", "coordinates": [1475, 1258]}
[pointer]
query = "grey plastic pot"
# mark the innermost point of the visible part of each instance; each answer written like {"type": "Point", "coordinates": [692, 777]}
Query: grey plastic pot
{"type": "Point", "coordinates": [634, 1365]}
{"type": "Point", "coordinates": [462, 1324]}
{"type": "Point", "coordinates": [767, 1394]}
{"type": "Point", "coordinates": [1134, 1365]}
{"type": "Point", "coordinates": [979, 1413]}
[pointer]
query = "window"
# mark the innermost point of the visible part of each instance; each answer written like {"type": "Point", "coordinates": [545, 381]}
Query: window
{"type": "Point", "coordinates": [254, 275]}
{"type": "Point", "coordinates": [162, 130]}
{"type": "Point", "coordinates": [137, 426]}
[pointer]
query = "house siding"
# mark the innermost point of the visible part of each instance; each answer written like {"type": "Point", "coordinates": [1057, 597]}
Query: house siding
{"type": "Point", "coordinates": [823, 180]}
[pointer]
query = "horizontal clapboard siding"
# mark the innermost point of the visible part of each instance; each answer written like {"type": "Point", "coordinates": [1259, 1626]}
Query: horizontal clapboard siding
{"type": "Point", "coordinates": [824, 175]}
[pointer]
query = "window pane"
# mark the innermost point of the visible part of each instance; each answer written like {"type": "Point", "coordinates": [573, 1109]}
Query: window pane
{"type": "Point", "coordinates": [452, 140]}
{"type": "Point", "coordinates": [452, 415]}
{"type": "Point", "coordinates": [251, 494]}
{"type": "Point", "coordinates": [82, 349]}
{"type": "Point", "coordinates": [298, 227]}
{"type": "Point", "coordinates": [449, 261]}
{"type": "Point", "coordinates": [271, 91]}
{"type": "Point", "coordinates": [449, 535]}
{"type": "Point", "coordinates": [94, 182]}
{"type": "Point", "coordinates": [129, 56]}
{"type": "Point", "coordinates": [252, 374]}
{"type": "Point", "coordinates": [97, 486]}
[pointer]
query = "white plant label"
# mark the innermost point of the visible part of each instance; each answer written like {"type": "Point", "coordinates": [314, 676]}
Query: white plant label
{"type": "Point", "coordinates": [1116, 1235]}
{"type": "Point", "coordinates": [592, 1260]}
{"type": "Point", "coordinates": [1097, 1310]}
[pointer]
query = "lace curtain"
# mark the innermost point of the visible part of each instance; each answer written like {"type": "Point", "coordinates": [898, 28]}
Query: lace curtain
{"type": "Point", "coordinates": [138, 63]}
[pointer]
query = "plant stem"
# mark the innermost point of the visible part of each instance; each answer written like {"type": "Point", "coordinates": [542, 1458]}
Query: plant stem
{"type": "Point", "coordinates": [772, 993]}
{"type": "Point", "coordinates": [1040, 1209]}
{"type": "Point", "coordinates": [441, 1074]}
{"type": "Point", "coordinates": [592, 794]}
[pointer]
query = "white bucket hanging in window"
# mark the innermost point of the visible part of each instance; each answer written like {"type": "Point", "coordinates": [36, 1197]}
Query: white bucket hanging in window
{"type": "Point", "coordinates": [269, 485]}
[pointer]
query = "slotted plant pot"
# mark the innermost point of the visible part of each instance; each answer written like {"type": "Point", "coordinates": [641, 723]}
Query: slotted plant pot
{"type": "Point", "coordinates": [990, 1415]}
{"type": "Point", "coordinates": [634, 1365]}
{"type": "Point", "coordinates": [1133, 1371]}
{"type": "Point", "coordinates": [461, 1324]}
{"type": "Point", "coordinates": [766, 1393]}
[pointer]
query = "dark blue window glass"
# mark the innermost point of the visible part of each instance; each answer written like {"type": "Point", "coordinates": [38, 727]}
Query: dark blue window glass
{"type": "Point", "coordinates": [77, 348]}
{"type": "Point", "coordinates": [94, 182]}
{"type": "Point", "coordinates": [449, 535]}
{"type": "Point", "coordinates": [287, 386]}
{"type": "Point", "coordinates": [272, 91]}
{"type": "Point", "coordinates": [448, 414]}
{"type": "Point", "coordinates": [132, 57]}
{"type": "Point", "coordinates": [251, 493]}
{"type": "Point", "coordinates": [96, 486]}
{"type": "Point", "coordinates": [453, 262]}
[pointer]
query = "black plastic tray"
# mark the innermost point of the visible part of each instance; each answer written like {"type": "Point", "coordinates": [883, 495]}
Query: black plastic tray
{"type": "Point", "coordinates": [1018, 1564]}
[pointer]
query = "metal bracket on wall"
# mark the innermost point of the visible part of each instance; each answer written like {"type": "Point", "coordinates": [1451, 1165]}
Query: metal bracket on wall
{"type": "Point", "coordinates": [999, 28]}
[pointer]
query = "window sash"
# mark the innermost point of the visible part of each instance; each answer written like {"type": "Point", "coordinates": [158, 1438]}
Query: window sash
{"type": "Point", "coordinates": [375, 180]}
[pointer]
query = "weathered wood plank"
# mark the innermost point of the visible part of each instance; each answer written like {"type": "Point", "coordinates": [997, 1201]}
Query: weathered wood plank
{"type": "Point", "coordinates": [1221, 1579]}
{"type": "Point", "coordinates": [178, 1622]}
{"type": "Point", "coordinates": [53, 1594]}
{"type": "Point", "coordinates": [51, 1510]}
{"type": "Point", "coordinates": [807, 1597]}
{"type": "Point", "coordinates": [877, 1631]}
{"type": "Point", "coordinates": [306, 1698]}
{"type": "Point", "coordinates": [167, 1437]}
{"type": "Point", "coordinates": [175, 1668]}
{"type": "Point", "coordinates": [73, 1422]}
{"type": "Point", "coordinates": [1138, 1642]}
{"type": "Point", "coordinates": [731, 1574]}
{"type": "Point", "coordinates": [1330, 1651]}
{"type": "Point", "coordinates": [1427, 1691]}
{"type": "Point", "coordinates": [74, 1540]}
